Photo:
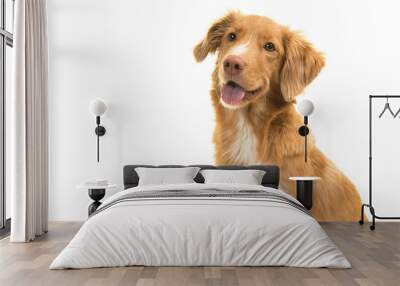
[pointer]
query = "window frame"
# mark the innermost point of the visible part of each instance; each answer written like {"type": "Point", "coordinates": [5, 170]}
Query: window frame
{"type": "Point", "coordinates": [6, 39]}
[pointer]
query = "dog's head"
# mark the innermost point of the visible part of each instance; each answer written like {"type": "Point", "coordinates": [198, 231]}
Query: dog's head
{"type": "Point", "coordinates": [256, 55]}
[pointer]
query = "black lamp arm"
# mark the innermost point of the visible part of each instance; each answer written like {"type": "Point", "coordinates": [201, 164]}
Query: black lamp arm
{"type": "Point", "coordinates": [303, 131]}
{"type": "Point", "coordinates": [99, 131]}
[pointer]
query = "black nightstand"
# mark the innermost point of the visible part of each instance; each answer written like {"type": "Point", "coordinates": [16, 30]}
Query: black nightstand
{"type": "Point", "coordinates": [96, 193]}
{"type": "Point", "coordinates": [304, 189]}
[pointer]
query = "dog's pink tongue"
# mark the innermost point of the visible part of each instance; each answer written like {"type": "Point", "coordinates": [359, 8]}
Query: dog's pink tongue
{"type": "Point", "coordinates": [231, 94]}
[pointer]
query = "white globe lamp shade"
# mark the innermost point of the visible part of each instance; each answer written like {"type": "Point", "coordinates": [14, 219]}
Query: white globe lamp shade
{"type": "Point", "coordinates": [97, 107]}
{"type": "Point", "coordinates": [305, 107]}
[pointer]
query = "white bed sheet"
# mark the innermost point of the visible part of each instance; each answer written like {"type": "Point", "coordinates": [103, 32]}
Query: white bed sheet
{"type": "Point", "coordinates": [200, 231]}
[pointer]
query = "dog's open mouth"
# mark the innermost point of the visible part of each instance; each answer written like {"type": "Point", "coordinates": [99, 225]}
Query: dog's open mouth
{"type": "Point", "coordinates": [233, 94]}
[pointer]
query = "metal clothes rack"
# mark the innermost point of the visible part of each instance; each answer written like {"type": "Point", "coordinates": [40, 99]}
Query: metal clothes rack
{"type": "Point", "coordinates": [370, 205]}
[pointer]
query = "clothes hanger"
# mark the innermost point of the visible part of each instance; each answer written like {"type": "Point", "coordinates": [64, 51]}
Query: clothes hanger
{"type": "Point", "coordinates": [397, 113]}
{"type": "Point", "coordinates": [387, 107]}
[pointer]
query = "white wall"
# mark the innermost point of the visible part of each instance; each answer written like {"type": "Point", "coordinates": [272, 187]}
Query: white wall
{"type": "Point", "coordinates": [137, 55]}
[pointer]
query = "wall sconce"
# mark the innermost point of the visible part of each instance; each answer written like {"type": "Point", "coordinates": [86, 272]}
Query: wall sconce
{"type": "Point", "coordinates": [97, 107]}
{"type": "Point", "coordinates": [305, 108]}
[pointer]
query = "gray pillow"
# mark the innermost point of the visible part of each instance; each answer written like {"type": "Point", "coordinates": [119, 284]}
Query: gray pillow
{"type": "Point", "coordinates": [165, 176]}
{"type": "Point", "coordinates": [248, 177]}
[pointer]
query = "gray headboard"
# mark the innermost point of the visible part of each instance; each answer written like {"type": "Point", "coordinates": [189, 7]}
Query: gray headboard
{"type": "Point", "coordinates": [271, 177]}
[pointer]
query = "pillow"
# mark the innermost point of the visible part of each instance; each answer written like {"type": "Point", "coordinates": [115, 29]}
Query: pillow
{"type": "Point", "coordinates": [248, 177]}
{"type": "Point", "coordinates": [165, 176]}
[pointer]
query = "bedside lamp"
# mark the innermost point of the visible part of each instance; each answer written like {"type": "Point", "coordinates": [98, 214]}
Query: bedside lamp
{"type": "Point", "coordinates": [97, 107]}
{"type": "Point", "coordinates": [305, 108]}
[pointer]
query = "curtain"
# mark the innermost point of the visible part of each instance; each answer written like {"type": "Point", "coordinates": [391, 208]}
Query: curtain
{"type": "Point", "coordinates": [28, 123]}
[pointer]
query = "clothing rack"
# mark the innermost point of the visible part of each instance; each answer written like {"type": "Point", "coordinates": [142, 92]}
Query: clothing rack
{"type": "Point", "coordinates": [370, 205]}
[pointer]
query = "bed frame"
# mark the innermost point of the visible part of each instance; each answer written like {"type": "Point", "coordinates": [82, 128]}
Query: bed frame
{"type": "Point", "coordinates": [270, 179]}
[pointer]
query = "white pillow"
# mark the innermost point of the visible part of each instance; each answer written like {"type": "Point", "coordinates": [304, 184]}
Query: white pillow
{"type": "Point", "coordinates": [248, 177]}
{"type": "Point", "coordinates": [165, 176]}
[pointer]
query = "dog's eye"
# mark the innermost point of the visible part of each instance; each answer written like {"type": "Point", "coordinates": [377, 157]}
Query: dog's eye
{"type": "Point", "coordinates": [231, 37]}
{"type": "Point", "coordinates": [269, 47]}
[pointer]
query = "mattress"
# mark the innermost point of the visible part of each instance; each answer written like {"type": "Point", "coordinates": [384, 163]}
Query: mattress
{"type": "Point", "coordinates": [201, 225]}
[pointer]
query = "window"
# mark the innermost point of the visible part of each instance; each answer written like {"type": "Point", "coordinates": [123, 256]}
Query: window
{"type": "Point", "coordinates": [6, 44]}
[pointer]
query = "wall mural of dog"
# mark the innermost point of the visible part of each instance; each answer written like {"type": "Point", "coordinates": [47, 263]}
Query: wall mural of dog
{"type": "Point", "coordinates": [261, 67]}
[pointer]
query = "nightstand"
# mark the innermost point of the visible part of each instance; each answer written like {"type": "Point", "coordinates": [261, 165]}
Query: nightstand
{"type": "Point", "coordinates": [96, 193]}
{"type": "Point", "coordinates": [304, 189]}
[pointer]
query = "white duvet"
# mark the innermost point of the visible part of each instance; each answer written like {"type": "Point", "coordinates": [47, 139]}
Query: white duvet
{"type": "Point", "coordinates": [200, 231]}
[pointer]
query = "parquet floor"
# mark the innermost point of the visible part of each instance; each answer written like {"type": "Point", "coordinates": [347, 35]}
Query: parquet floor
{"type": "Point", "coordinates": [375, 257]}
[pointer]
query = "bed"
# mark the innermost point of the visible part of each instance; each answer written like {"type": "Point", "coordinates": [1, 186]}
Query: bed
{"type": "Point", "coordinates": [199, 224]}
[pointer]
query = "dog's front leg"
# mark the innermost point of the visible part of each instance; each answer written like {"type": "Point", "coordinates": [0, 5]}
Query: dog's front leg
{"type": "Point", "coordinates": [335, 198]}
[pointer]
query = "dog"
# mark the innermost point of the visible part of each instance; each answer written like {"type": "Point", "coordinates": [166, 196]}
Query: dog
{"type": "Point", "coordinates": [261, 68]}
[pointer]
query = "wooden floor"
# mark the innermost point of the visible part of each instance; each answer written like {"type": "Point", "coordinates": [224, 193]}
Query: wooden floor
{"type": "Point", "coordinates": [375, 257]}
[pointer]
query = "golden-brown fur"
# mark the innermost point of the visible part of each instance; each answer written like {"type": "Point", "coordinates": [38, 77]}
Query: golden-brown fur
{"type": "Point", "coordinates": [263, 128]}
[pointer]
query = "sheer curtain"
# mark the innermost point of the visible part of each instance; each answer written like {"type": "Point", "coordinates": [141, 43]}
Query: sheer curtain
{"type": "Point", "coordinates": [28, 161]}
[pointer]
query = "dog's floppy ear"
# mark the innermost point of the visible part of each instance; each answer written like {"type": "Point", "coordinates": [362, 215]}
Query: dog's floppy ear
{"type": "Point", "coordinates": [213, 39]}
{"type": "Point", "coordinates": [301, 65]}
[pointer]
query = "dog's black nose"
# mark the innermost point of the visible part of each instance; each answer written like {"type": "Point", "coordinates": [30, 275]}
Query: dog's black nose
{"type": "Point", "coordinates": [233, 65]}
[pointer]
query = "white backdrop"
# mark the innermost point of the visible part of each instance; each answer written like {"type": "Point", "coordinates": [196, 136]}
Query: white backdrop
{"type": "Point", "coordinates": [137, 56]}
